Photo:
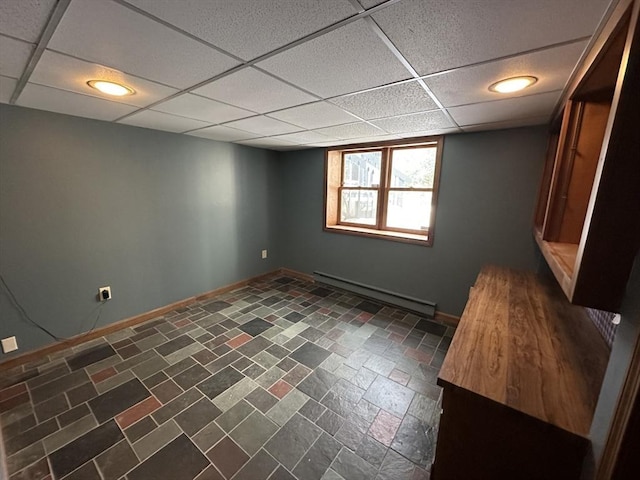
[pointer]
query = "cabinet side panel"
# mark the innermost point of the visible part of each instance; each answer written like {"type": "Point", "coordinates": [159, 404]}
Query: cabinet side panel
{"type": "Point", "coordinates": [585, 160]}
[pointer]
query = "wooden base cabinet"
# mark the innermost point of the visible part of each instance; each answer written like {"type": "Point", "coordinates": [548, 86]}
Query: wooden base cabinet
{"type": "Point", "coordinates": [520, 383]}
{"type": "Point", "coordinates": [480, 439]}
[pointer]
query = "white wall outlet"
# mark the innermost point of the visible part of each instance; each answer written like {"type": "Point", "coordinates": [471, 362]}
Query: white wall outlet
{"type": "Point", "coordinates": [104, 294]}
{"type": "Point", "coordinates": [264, 254]}
{"type": "Point", "coordinates": [9, 344]}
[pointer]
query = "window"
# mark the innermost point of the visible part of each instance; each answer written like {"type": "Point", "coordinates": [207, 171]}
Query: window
{"type": "Point", "coordinates": [386, 190]}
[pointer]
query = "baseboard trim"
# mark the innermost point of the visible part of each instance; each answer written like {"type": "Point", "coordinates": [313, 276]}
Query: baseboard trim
{"type": "Point", "coordinates": [296, 274]}
{"type": "Point", "coordinates": [447, 319]}
{"type": "Point", "coordinates": [143, 317]}
{"type": "Point", "coordinates": [127, 322]}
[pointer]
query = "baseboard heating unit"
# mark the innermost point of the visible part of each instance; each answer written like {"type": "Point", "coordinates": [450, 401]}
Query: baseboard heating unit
{"type": "Point", "coordinates": [385, 296]}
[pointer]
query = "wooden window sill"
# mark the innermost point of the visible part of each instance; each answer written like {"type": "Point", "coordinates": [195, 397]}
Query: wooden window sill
{"type": "Point", "coordinates": [424, 240]}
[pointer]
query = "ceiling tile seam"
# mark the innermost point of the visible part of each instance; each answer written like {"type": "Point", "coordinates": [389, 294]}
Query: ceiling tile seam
{"type": "Point", "coordinates": [86, 60]}
{"type": "Point", "coordinates": [17, 39]}
{"type": "Point", "coordinates": [225, 103]}
{"type": "Point", "coordinates": [250, 63]}
{"type": "Point", "coordinates": [41, 45]}
{"type": "Point", "coordinates": [396, 52]}
{"type": "Point", "coordinates": [506, 98]}
{"type": "Point", "coordinates": [199, 119]}
{"type": "Point", "coordinates": [371, 89]}
{"type": "Point", "coordinates": [89, 95]}
{"type": "Point", "coordinates": [242, 131]}
{"type": "Point", "coordinates": [356, 120]}
{"type": "Point", "coordinates": [184, 91]}
{"type": "Point", "coordinates": [506, 57]}
{"type": "Point", "coordinates": [355, 4]}
{"type": "Point", "coordinates": [357, 117]}
{"type": "Point", "coordinates": [514, 119]}
{"type": "Point", "coordinates": [221, 125]}
{"type": "Point", "coordinates": [504, 122]}
{"type": "Point", "coordinates": [297, 87]}
{"type": "Point", "coordinates": [227, 122]}
{"type": "Point", "coordinates": [177, 29]}
{"type": "Point", "coordinates": [514, 96]}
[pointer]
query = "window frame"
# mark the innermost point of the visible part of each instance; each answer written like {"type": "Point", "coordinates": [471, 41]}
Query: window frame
{"type": "Point", "coordinates": [334, 187]}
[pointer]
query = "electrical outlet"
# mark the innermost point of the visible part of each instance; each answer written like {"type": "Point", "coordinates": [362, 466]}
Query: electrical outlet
{"type": "Point", "coordinates": [104, 294]}
{"type": "Point", "coordinates": [264, 254]}
{"type": "Point", "coordinates": [9, 344]}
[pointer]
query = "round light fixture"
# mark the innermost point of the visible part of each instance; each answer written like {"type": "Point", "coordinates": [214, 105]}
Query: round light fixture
{"type": "Point", "coordinates": [111, 88]}
{"type": "Point", "coordinates": [509, 85]}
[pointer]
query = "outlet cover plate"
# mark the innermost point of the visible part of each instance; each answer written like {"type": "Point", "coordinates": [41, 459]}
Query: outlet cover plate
{"type": "Point", "coordinates": [264, 254]}
{"type": "Point", "coordinates": [9, 344]}
{"type": "Point", "coordinates": [100, 297]}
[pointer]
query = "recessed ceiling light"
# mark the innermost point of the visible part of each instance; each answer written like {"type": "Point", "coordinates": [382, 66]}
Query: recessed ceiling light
{"type": "Point", "coordinates": [509, 85]}
{"type": "Point", "coordinates": [111, 88]}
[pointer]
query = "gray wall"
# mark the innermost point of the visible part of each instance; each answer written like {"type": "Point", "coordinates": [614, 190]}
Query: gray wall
{"type": "Point", "coordinates": [488, 188]}
{"type": "Point", "coordinates": [157, 216]}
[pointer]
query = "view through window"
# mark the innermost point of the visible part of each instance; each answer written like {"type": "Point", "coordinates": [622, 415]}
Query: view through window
{"type": "Point", "coordinates": [386, 190]}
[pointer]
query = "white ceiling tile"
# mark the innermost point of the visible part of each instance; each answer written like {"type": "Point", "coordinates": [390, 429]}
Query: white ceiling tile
{"type": "Point", "coordinates": [68, 73]}
{"type": "Point", "coordinates": [7, 86]}
{"type": "Point", "coordinates": [408, 97]}
{"type": "Point", "coordinates": [200, 108]}
{"type": "Point", "coordinates": [262, 125]}
{"type": "Point", "coordinates": [346, 60]}
{"type": "Point", "coordinates": [162, 121]}
{"type": "Point", "coordinates": [428, 133]}
{"type": "Point", "coordinates": [508, 109]}
{"type": "Point", "coordinates": [370, 3]}
{"type": "Point", "coordinates": [25, 19]}
{"type": "Point", "coordinates": [351, 130]}
{"type": "Point", "coordinates": [14, 56]}
{"type": "Point", "coordinates": [222, 133]}
{"type": "Point", "coordinates": [110, 34]}
{"type": "Point", "coordinates": [440, 34]}
{"type": "Point", "coordinates": [269, 143]}
{"type": "Point", "coordinates": [314, 115]}
{"type": "Point", "coordinates": [350, 141]}
{"type": "Point", "coordinates": [471, 84]}
{"type": "Point", "coordinates": [60, 101]}
{"type": "Point", "coordinates": [521, 122]}
{"type": "Point", "coordinates": [254, 90]}
{"type": "Point", "coordinates": [271, 23]}
{"type": "Point", "coordinates": [415, 122]}
{"type": "Point", "coordinates": [302, 138]}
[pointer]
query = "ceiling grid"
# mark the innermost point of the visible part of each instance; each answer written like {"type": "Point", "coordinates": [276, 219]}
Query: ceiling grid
{"type": "Point", "coordinates": [290, 74]}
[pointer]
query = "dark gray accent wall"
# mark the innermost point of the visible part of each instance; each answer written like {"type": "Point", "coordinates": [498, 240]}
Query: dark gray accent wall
{"type": "Point", "coordinates": [488, 188]}
{"type": "Point", "coordinates": [157, 216]}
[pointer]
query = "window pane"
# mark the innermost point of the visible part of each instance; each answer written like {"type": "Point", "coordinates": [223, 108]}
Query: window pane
{"type": "Point", "coordinates": [362, 169]}
{"type": "Point", "coordinates": [413, 167]}
{"type": "Point", "coordinates": [409, 210]}
{"type": "Point", "coordinates": [359, 206]}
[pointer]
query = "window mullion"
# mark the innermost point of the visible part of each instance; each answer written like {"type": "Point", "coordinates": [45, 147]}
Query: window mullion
{"type": "Point", "coordinates": [383, 196]}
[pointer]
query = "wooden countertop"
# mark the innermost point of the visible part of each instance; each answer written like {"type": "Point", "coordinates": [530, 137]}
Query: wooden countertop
{"type": "Point", "coordinates": [520, 343]}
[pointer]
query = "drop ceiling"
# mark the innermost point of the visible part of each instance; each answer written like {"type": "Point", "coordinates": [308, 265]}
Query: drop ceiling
{"type": "Point", "coordinates": [290, 74]}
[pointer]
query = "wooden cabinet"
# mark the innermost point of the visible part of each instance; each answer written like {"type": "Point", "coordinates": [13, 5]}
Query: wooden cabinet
{"type": "Point", "coordinates": [520, 383]}
{"type": "Point", "coordinates": [587, 221]}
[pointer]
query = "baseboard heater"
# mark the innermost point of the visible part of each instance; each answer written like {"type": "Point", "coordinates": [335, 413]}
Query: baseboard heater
{"type": "Point", "coordinates": [385, 296]}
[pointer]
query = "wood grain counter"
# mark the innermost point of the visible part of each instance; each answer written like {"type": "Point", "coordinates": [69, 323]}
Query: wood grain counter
{"type": "Point", "coordinates": [522, 375]}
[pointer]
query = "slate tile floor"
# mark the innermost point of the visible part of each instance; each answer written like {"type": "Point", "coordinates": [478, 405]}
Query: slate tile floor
{"type": "Point", "coordinates": [279, 380]}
